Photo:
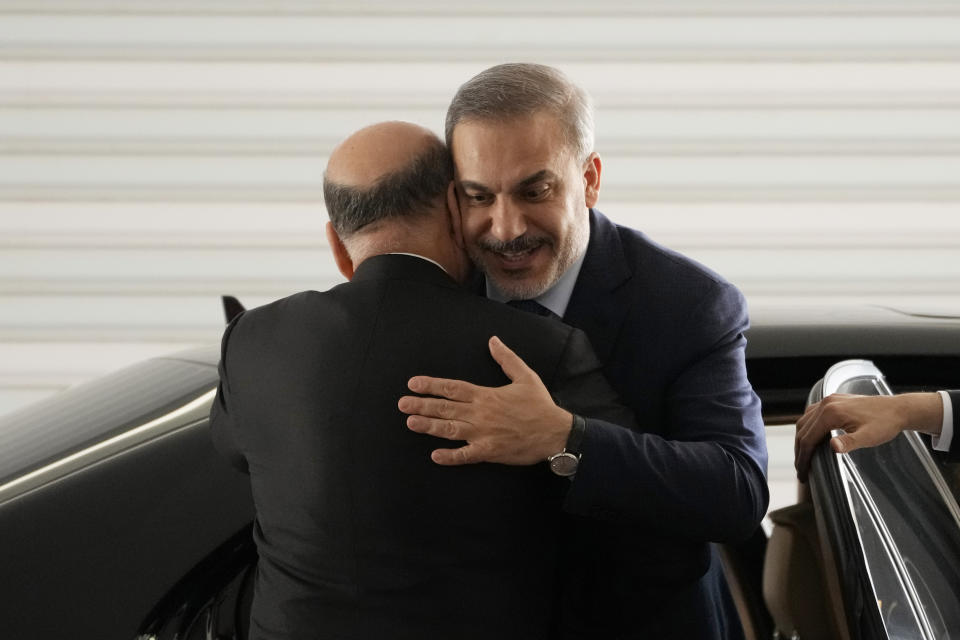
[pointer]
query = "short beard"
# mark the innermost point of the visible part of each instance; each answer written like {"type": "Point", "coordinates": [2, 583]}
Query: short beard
{"type": "Point", "coordinates": [521, 285]}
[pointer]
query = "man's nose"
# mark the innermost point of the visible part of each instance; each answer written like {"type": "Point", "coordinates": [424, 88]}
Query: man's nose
{"type": "Point", "coordinates": [507, 221]}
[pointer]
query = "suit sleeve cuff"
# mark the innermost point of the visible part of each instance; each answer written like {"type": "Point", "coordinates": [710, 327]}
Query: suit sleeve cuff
{"type": "Point", "coordinates": [943, 441]}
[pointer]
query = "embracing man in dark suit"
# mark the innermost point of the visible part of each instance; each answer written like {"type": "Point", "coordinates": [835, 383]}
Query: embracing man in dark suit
{"type": "Point", "coordinates": [360, 535]}
{"type": "Point", "coordinates": [645, 502]}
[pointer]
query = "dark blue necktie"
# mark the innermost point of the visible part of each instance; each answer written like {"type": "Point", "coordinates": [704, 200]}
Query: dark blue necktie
{"type": "Point", "coordinates": [532, 306]}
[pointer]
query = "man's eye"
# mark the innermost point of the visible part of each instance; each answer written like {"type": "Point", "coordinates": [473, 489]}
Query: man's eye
{"type": "Point", "coordinates": [478, 198]}
{"type": "Point", "coordinates": [537, 192]}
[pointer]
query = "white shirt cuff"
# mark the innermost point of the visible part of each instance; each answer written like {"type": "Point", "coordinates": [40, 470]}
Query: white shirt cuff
{"type": "Point", "coordinates": [943, 441]}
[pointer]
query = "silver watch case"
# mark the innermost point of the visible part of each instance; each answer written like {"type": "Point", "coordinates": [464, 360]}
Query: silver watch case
{"type": "Point", "coordinates": [564, 464]}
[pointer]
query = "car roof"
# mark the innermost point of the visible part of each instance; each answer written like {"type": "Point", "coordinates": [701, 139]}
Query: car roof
{"type": "Point", "coordinates": [792, 330]}
{"type": "Point", "coordinates": [207, 354]}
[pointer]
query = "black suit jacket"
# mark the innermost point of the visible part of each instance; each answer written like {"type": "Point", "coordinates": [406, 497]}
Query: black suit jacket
{"type": "Point", "coordinates": [647, 501]}
{"type": "Point", "coordinates": [360, 534]}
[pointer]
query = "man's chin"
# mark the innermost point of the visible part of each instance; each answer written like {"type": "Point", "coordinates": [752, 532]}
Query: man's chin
{"type": "Point", "coordinates": [521, 284]}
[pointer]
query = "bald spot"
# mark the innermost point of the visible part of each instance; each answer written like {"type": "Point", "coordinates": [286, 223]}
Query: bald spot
{"type": "Point", "coordinates": [377, 150]}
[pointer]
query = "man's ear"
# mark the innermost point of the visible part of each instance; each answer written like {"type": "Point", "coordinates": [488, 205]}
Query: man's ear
{"type": "Point", "coordinates": [456, 220]}
{"type": "Point", "coordinates": [340, 254]}
{"type": "Point", "coordinates": [591, 178]}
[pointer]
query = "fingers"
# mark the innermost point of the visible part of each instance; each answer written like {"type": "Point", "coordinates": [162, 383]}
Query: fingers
{"type": "Point", "coordinates": [812, 427]}
{"type": "Point", "coordinates": [469, 454]}
{"type": "Point", "coordinates": [441, 387]}
{"type": "Point", "coordinates": [804, 455]}
{"type": "Point", "coordinates": [447, 429]}
{"type": "Point", "coordinates": [860, 436]}
{"type": "Point", "coordinates": [843, 443]}
{"type": "Point", "coordinates": [433, 407]}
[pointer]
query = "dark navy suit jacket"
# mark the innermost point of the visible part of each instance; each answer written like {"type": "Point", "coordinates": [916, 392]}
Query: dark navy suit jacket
{"type": "Point", "coordinates": [646, 502]}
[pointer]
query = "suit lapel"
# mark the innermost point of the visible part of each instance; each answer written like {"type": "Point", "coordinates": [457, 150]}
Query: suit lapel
{"type": "Point", "coordinates": [600, 302]}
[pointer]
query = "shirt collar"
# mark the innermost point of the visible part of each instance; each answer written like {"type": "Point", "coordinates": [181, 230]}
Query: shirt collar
{"type": "Point", "coordinates": [415, 255]}
{"type": "Point", "coordinates": [556, 298]}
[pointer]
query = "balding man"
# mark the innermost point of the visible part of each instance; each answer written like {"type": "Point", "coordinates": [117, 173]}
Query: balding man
{"type": "Point", "coordinates": [359, 533]}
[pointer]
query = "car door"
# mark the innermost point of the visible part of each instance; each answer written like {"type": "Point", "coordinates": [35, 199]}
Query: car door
{"type": "Point", "coordinates": [886, 536]}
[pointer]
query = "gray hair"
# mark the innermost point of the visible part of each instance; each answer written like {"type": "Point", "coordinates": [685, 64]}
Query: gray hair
{"type": "Point", "coordinates": [407, 193]}
{"type": "Point", "coordinates": [519, 89]}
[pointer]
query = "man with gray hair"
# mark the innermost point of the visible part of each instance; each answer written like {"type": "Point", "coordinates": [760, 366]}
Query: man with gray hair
{"type": "Point", "coordinates": [359, 534]}
{"type": "Point", "coordinates": [644, 503]}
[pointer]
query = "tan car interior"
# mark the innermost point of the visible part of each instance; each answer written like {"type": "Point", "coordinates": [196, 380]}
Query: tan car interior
{"type": "Point", "coordinates": [798, 596]}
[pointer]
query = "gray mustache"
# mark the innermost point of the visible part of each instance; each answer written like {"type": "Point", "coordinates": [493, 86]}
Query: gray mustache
{"type": "Point", "coordinates": [518, 244]}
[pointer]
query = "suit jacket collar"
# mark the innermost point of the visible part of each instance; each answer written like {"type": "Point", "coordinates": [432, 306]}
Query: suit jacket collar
{"type": "Point", "coordinates": [600, 302]}
{"type": "Point", "coordinates": [395, 266]}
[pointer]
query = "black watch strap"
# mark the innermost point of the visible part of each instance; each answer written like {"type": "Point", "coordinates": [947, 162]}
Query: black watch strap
{"type": "Point", "coordinates": [575, 439]}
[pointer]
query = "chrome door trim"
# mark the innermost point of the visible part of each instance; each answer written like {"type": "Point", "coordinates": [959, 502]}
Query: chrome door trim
{"type": "Point", "coordinates": [849, 370]}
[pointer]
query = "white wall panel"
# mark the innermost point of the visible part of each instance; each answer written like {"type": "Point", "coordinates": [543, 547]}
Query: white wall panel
{"type": "Point", "coordinates": [333, 38]}
{"type": "Point", "coordinates": [65, 224]}
{"type": "Point", "coordinates": [814, 224]}
{"type": "Point", "coordinates": [274, 125]}
{"type": "Point", "coordinates": [139, 221]}
{"type": "Point", "coordinates": [157, 129]}
{"type": "Point", "coordinates": [278, 172]}
{"type": "Point", "coordinates": [503, 8]}
{"type": "Point", "coordinates": [124, 170]}
{"type": "Point", "coordinates": [781, 476]}
{"type": "Point", "coordinates": [171, 265]}
{"type": "Point", "coordinates": [602, 80]}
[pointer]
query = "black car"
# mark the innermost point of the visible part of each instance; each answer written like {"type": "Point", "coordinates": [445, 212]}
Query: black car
{"type": "Point", "coordinates": [119, 520]}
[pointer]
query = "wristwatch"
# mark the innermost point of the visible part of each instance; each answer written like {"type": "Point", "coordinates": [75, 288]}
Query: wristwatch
{"type": "Point", "coordinates": [566, 462]}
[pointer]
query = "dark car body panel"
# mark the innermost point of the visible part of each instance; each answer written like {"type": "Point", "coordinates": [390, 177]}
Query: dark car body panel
{"type": "Point", "coordinates": [94, 548]}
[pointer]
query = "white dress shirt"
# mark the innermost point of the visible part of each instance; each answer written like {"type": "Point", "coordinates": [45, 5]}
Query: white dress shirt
{"type": "Point", "coordinates": [942, 442]}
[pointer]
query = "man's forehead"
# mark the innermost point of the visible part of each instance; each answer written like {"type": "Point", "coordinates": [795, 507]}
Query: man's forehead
{"type": "Point", "coordinates": [539, 129]}
{"type": "Point", "coordinates": [507, 152]}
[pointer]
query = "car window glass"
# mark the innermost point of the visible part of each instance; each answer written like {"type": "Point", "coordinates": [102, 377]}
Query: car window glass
{"type": "Point", "coordinates": [950, 470]}
{"type": "Point", "coordinates": [914, 560]}
{"type": "Point", "coordinates": [89, 413]}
